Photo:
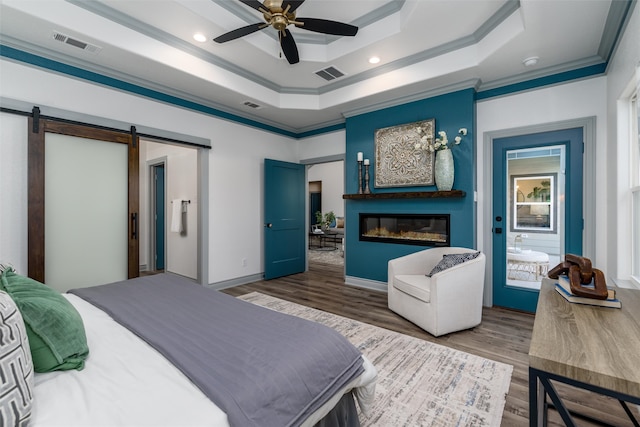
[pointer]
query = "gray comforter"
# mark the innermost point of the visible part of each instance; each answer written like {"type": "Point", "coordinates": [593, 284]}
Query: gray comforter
{"type": "Point", "coordinates": [263, 368]}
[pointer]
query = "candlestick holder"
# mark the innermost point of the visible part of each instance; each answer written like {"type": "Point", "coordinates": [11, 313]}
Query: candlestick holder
{"type": "Point", "coordinates": [366, 180]}
{"type": "Point", "coordinates": [359, 176]}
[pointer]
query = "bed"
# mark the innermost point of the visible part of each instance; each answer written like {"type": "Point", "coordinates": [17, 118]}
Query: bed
{"type": "Point", "coordinates": [207, 359]}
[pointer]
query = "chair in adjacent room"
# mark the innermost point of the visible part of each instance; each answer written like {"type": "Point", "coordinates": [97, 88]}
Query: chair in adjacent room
{"type": "Point", "coordinates": [438, 289]}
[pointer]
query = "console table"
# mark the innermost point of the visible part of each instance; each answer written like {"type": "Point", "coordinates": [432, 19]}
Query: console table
{"type": "Point", "coordinates": [594, 348]}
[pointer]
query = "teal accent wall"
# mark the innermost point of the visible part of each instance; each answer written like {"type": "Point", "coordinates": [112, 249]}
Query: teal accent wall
{"type": "Point", "coordinates": [368, 260]}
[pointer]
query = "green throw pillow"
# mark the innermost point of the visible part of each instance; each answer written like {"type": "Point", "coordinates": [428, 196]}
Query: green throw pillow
{"type": "Point", "coordinates": [54, 327]}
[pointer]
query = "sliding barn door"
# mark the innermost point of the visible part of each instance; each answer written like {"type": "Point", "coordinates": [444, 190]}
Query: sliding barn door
{"type": "Point", "coordinates": [83, 204]}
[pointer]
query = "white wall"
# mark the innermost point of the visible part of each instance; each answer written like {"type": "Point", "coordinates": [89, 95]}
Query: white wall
{"type": "Point", "coordinates": [236, 193]}
{"type": "Point", "coordinates": [571, 101]}
{"type": "Point", "coordinates": [319, 146]}
{"type": "Point", "coordinates": [623, 77]}
{"type": "Point", "coordinates": [331, 175]}
{"type": "Point", "coordinates": [13, 187]}
{"type": "Point", "coordinates": [235, 164]}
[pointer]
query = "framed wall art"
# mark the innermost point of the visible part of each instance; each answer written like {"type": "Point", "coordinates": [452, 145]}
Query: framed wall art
{"type": "Point", "coordinates": [403, 156]}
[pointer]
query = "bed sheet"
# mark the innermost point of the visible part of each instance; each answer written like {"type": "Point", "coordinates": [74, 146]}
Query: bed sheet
{"type": "Point", "coordinates": [126, 382]}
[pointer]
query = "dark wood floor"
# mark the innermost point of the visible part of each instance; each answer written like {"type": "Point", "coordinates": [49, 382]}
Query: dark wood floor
{"type": "Point", "coordinates": [504, 336]}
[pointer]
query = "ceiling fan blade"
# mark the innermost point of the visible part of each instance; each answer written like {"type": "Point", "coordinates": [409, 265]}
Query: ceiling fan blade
{"type": "Point", "coordinates": [294, 5]}
{"type": "Point", "coordinates": [255, 4]}
{"type": "Point", "coordinates": [289, 47]}
{"type": "Point", "coordinates": [239, 32]}
{"type": "Point", "coordinates": [327, 27]}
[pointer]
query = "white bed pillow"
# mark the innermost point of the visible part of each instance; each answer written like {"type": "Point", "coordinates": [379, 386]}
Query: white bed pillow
{"type": "Point", "coordinates": [16, 389]}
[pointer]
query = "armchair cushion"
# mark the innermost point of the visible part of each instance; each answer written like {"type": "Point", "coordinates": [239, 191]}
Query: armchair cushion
{"type": "Point", "coordinates": [451, 260]}
{"type": "Point", "coordinates": [416, 285]}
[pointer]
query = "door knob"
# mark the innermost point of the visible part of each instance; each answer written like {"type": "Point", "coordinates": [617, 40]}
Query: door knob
{"type": "Point", "coordinates": [268, 225]}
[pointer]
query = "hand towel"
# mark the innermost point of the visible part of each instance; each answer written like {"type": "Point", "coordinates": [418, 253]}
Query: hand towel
{"type": "Point", "coordinates": [176, 216]}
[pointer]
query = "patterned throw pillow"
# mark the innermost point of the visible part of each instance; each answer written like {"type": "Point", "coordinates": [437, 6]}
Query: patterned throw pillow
{"type": "Point", "coordinates": [450, 260]}
{"type": "Point", "coordinates": [16, 368]}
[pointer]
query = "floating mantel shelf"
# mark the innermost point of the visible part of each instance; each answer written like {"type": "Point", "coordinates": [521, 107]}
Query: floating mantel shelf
{"type": "Point", "coordinates": [407, 195]}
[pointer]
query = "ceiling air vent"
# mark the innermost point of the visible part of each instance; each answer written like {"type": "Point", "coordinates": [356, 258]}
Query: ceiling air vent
{"type": "Point", "coordinates": [76, 43]}
{"type": "Point", "coordinates": [330, 73]}
{"type": "Point", "coordinates": [252, 105]}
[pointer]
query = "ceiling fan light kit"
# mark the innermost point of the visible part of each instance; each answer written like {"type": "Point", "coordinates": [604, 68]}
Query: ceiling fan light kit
{"type": "Point", "coordinates": [279, 14]}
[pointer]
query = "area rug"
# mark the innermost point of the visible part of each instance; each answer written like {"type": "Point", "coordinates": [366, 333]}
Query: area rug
{"type": "Point", "coordinates": [419, 383]}
{"type": "Point", "coordinates": [326, 257]}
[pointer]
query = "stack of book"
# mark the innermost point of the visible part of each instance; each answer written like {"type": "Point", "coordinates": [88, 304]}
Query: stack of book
{"type": "Point", "coordinates": [564, 288]}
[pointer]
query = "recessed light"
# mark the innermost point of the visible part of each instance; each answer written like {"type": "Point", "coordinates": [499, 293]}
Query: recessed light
{"type": "Point", "coordinates": [374, 60]}
{"type": "Point", "coordinates": [531, 61]}
{"type": "Point", "coordinates": [199, 37]}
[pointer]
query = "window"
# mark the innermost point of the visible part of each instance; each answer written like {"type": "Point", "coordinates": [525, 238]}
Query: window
{"type": "Point", "coordinates": [635, 187]}
{"type": "Point", "coordinates": [534, 203]}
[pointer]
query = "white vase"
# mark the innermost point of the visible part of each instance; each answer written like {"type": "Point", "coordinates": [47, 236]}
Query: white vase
{"type": "Point", "coordinates": [444, 171]}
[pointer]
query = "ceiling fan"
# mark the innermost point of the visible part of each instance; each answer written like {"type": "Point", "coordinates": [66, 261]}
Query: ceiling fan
{"type": "Point", "coordinates": [279, 14]}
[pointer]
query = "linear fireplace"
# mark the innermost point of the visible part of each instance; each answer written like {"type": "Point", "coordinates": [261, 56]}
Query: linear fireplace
{"type": "Point", "coordinates": [407, 229]}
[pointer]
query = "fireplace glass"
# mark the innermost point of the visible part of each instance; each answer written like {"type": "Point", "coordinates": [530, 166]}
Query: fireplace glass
{"type": "Point", "coordinates": [408, 229]}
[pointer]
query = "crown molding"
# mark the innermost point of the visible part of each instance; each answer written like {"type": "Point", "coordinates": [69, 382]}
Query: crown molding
{"type": "Point", "coordinates": [245, 13]}
{"type": "Point", "coordinates": [249, 17]}
{"type": "Point", "coordinates": [614, 26]}
{"type": "Point", "coordinates": [541, 73]}
{"type": "Point", "coordinates": [430, 93]}
{"type": "Point", "coordinates": [113, 15]}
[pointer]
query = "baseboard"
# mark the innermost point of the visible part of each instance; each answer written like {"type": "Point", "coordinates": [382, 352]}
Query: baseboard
{"type": "Point", "coordinates": [349, 280]}
{"type": "Point", "coordinates": [236, 281]}
{"type": "Point", "coordinates": [366, 283]}
{"type": "Point", "coordinates": [624, 283]}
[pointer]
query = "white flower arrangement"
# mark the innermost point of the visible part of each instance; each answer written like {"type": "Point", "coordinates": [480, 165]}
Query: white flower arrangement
{"type": "Point", "coordinates": [441, 142]}
{"type": "Point", "coordinates": [423, 143]}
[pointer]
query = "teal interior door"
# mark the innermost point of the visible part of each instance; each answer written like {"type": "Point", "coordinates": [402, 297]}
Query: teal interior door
{"type": "Point", "coordinates": [284, 216]}
{"type": "Point", "coordinates": [158, 172]}
{"type": "Point", "coordinates": [315, 205]}
{"type": "Point", "coordinates": [537, 211]}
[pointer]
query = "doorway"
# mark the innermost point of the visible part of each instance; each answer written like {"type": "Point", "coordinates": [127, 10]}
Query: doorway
{"type": "Point", "coordinates": [326, 186]}
{"type": "Point", "coordinates": [315, 200]}
{"type": "Point", "coordinates": [158, 216]}
{"type": "Point", "coordinates": [537, 211]}
{"type": "Point", "coordinates": [171, 176]}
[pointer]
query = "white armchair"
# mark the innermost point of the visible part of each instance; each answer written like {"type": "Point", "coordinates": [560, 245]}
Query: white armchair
{"type": "Point", "coordinates": [448, 301]}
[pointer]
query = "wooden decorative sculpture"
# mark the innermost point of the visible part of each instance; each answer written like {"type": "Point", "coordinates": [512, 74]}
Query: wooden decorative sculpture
{"type": "Point", "coordinates": [580, 273]}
